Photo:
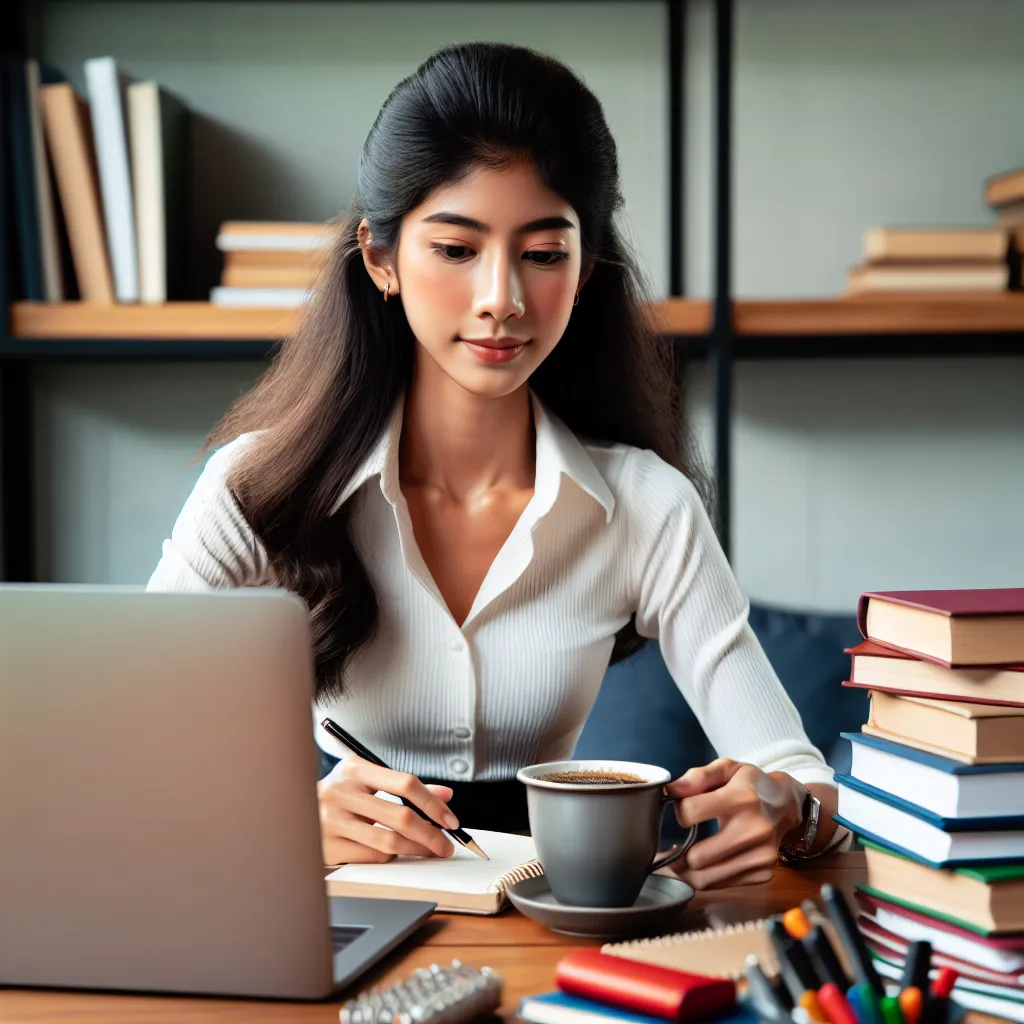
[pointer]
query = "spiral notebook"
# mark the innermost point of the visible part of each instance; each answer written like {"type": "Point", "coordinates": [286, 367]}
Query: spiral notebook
{"type": "Point", "coordinates": [713, 952]}
{"type": "Point", "coordinates": [464, 883]}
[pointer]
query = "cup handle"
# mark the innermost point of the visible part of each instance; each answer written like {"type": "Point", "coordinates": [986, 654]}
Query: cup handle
{"type": "Point", "coordinates": [673, 854]}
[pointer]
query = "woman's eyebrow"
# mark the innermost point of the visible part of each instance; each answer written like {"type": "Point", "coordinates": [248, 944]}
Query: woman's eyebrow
{"type": "Point", "coordinates": [460, 221]}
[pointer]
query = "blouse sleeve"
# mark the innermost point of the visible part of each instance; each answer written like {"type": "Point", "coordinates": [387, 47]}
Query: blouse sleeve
{"type": "Point", "coordinates": [688, 599]}
{"type": "Point", "coordinates": [211, 544]}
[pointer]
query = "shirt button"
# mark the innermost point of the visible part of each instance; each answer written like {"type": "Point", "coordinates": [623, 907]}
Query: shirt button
{"type": "Point", "coordinates": [459, 766]}
{"type": "Point", "coordinates": [462, 733]}
{"type": "Point", "coordinates": [457, 644]}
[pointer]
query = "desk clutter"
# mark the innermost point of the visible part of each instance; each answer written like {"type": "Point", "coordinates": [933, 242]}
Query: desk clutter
{"type": "Point", "coordinates": [455, 994]}
{"type": "Point", "coordinates": [807, 965]}
{"type": "Point", "coordinates": [935, 790]}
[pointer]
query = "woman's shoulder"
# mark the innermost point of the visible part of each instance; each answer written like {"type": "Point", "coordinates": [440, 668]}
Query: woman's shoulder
{"type": "Point", "coordinates": [225, 457]}
{"type": "Point", "coordinates": [640, 478]}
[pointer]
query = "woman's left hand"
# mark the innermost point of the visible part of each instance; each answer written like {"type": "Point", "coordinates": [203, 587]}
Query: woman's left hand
{"type": "Point", "coordinates": [755, 811]}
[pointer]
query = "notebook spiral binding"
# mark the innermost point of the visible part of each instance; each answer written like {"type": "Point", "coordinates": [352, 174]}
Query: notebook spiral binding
{"type": "Point", "coordinates": [723, 949]}
{"type": "Point", "coordinates": [531, 869]}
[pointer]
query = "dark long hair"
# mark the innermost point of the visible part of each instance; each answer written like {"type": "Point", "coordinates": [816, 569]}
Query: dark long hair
{"type": "Point", "coordinates": [328, 395]}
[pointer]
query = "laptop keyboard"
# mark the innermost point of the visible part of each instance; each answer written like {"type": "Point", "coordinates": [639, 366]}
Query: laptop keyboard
{"type": "Point", "coordinates": [344, 935]}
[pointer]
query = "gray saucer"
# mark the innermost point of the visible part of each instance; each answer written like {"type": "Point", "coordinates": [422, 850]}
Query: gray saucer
{"type": "Point", "coordinates": [660, 901]}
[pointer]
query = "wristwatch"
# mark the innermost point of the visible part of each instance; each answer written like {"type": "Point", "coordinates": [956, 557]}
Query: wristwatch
{"type": "Point", "coordinates": [809, 821]}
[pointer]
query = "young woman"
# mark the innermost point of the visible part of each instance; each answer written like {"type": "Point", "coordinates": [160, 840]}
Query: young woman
{"type": "Point", "coordinates": [470, 461]}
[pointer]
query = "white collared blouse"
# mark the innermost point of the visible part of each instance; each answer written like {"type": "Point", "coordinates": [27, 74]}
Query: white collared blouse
{"type": "Point", "coordinates": [610, 530]}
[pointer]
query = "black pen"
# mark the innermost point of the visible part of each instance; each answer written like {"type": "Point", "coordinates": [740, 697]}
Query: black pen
{"type": "Point", "coordinates": [461, 836]}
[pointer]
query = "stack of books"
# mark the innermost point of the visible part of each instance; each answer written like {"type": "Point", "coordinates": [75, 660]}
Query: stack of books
{"type": "Point", "coordinates": [1005, 194]}
{"type": "Point", "coordinates": [936, 786]}
{"type": "Point", "coordinates": [932, 260]}
{"type": "Point", "coordinates": [270, 263]}
{"type": "Point", "coordinates": [114, 229]}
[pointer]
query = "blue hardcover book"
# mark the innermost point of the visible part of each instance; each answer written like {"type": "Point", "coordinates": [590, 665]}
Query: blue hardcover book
{"type": "Point", "coordinates": [559, 1008]}
{"type": "Point", "coordinates": [910, 829]}
{"type": "Point", "coordinates": [939, 785]}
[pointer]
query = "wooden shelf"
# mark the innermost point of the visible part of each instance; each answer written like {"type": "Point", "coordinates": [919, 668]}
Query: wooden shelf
{"type": "Point", "coordinates": [899, 314]}
{"type": "Point", "coordinates": [201, 320]}
{"type": "Point", "coordinates": [177, 320]}
{"type": "Point", "coordinates": [764, 328]}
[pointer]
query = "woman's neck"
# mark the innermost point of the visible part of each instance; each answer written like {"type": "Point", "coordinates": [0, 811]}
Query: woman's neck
{"type": "Point", "coordinates": [463, 443]}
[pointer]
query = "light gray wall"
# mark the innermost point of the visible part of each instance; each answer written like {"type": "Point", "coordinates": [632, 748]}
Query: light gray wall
{"type": "Point", "coordinates": [848, 475]}
{"type": "Point", "coordinates": [857, 475]}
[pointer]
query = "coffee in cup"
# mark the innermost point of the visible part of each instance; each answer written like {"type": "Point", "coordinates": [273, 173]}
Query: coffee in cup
{"type": "Point", "coordinates": [596, 826]}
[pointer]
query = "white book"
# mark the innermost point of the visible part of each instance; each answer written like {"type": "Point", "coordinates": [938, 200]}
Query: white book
{"type": "Point", "coordinates": [919, 837]}
{"type": "Point", "coordinates": [158, 133]}
{"type": "Point", "coordinates": [963, 793]}
{"type": "Point", "coordinates": [106, 91]}
{"type": "Point", "coordinates": [227, 242]}
{"type": "Point", "coordinates": [263, 298]}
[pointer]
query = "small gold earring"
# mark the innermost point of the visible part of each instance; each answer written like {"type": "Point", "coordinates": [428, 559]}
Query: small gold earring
{"type": "Point", "coordinates": [387, 290]}
{"type": "Point", "coordinates": [576, 301]}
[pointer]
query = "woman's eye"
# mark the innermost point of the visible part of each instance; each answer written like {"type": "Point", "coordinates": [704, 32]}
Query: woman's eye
{"type": "Point", "coordinates": [455, 253]}
{"type": "Point", "coordinates": [545, 257]}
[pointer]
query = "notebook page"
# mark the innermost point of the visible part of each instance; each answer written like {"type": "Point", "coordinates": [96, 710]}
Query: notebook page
{"type": "Point", "coordinates": [463, 872]}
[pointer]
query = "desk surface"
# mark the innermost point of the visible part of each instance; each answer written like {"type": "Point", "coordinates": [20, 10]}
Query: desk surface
{"type": "Point", "coordinates": [523, 952]}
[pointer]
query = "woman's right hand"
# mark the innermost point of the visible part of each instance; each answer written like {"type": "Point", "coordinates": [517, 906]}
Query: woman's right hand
{"type": "Point", "coordinates": [350, 811]}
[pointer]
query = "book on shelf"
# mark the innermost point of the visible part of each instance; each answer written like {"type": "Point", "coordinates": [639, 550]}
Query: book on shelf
{"type": "Point", "coordinates": [984, 898]}
{"type": "Point", "coordinates": [886, 669]}
{"type": "Point", "coordinates": [954, 628]}
{"type": "Point", "coordinates": [159, 131]}
{"type": "Point", "coordinates": [969, 733]}
{"type": "Point", "coordinates": [106, 86]}
{"type": "Point", "coordinates": [274, 236]}
{"type": "Point", "coordinates": [871, 278]}
{"type": "Point", "coordinates": [268, 277]}
{"type": "Point", "coordinates": [310, 260]}
{"type": "Point", "coordinates": [68, 132]}
{"type": "Point", "coordinates": [265, 298]}
{"type": "Point", "coordinates": [938, 840]}
{"type": "Point", "coordinates": [1002, 953]}
{"type": "Point", "coordinates": [463, 883]}
{"type": "Point", "coordinates": [1005, 187]}
{"type": "Point", "coordinates": [940, 785]}
{"type": "Point", "coordinates": [927, 246]}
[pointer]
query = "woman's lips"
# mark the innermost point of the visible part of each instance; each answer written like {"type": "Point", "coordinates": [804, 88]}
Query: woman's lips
{"type": "Point", "coordinates": [494, 350]}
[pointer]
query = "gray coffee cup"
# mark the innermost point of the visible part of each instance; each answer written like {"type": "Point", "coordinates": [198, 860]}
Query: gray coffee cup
{"type": "Point", "coordinates": [598, 842]}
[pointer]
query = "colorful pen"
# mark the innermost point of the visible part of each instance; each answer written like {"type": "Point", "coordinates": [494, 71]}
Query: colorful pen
{"type": "Point", "coordinates": [836, 1006]}
{"type": "Point", "coordinates": [865, 1004]}
{"type": "Point", "coordinates": [891, 1012]}
{"type": "Point", "coordinates": [824, 958]}
{"type": "Point", "coordinates": [762, 994]}
{"type": "Point", "coordinates": [911, 1001]}
{"type": "Point", "coordinates": [796, 970]}
{"type": "Point", "coordinates": [916, 965]}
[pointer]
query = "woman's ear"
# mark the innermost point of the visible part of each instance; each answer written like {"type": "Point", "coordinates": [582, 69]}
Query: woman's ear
{"type": "Point", "coordinates": [377, 264]}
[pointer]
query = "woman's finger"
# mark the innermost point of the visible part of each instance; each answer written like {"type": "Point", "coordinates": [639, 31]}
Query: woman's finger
{"type": "Point", "coordinates": [338, 850]}
{"type": "Point", "coordinates": [704, 778]}
{"type": "Point", "coordinates": [402, 820]}
{"type": "Point", "coordinates": [727, 872]}
{"type": "Point", "coordinates": [742, 832]}
{"type": "Point", "coordinates": [386, 840]}
{"type": "Point", "coordinates": [729, 800]}
{"type": "Point", "coordinates": [402, 784]}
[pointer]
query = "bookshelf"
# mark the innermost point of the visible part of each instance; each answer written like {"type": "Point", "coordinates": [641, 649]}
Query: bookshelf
{"type": "Point", "coordinates": [724, 329]}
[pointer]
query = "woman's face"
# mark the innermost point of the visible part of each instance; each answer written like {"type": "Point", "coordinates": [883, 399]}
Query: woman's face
{"type": "Point", "coordinates": [488, 269]}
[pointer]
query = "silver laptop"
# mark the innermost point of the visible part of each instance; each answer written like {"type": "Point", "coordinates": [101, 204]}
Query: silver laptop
{"type": "Point", "coordinates": [158, 817]}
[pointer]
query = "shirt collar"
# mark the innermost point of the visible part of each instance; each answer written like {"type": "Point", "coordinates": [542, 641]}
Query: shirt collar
{"type": "Point", "coordinates": [559, 453]}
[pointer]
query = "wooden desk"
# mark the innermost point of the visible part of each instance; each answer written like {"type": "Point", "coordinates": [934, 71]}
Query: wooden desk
{"type": "Point", "coordinates": [523, 952]}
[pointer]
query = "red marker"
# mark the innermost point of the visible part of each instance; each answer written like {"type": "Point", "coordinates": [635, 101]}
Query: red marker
{"type": "Point", "coordinates": [836, 1006]}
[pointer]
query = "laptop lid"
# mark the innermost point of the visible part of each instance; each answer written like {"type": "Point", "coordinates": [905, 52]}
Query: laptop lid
{"type": "Point", "coordinates": [158, 817]}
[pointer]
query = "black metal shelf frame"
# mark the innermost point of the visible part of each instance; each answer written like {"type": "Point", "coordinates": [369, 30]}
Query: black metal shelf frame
{"type": "Point", "coordinates": [19, 24]}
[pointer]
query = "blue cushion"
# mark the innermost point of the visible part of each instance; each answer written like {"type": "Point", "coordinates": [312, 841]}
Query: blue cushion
{"type": "Point", "coordinates": [640, 715]}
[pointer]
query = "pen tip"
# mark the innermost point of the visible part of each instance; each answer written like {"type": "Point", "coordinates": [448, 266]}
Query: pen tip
{"type": "Point", "coordinates": [471, 845]}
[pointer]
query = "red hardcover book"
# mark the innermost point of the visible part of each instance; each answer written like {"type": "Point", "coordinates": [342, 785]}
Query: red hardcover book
{"type": "Point", "coordinates": [954, 628]}
{"type": "Point", "coordinates": [874, 666]}
{"type": "Point", "coordinates": [643, 988]}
